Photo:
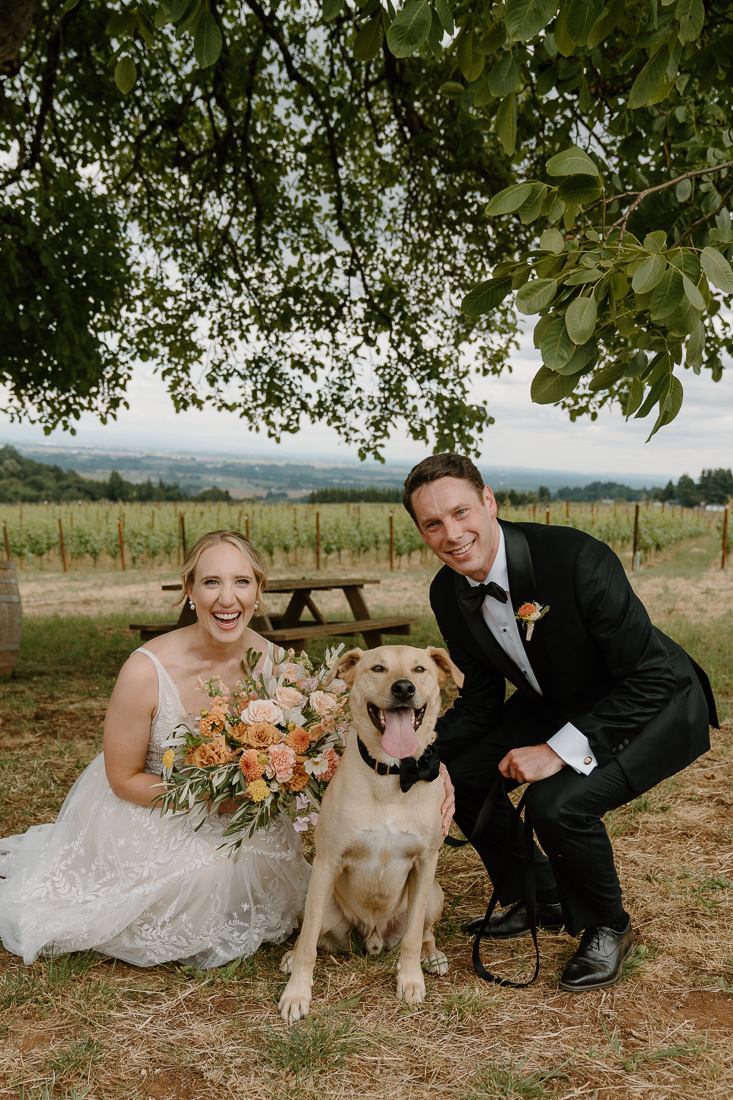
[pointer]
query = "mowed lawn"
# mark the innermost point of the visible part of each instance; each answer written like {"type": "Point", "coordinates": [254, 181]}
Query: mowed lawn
{"type": "Point", "coordinates": [83, 1025]}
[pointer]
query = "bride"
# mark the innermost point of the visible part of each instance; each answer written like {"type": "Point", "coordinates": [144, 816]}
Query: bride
{"type": "Point", "coordinates": [116, 876]}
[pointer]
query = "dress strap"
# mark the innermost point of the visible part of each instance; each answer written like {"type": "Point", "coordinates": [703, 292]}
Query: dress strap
{"type": "Point", "coordinates": [165, 680]}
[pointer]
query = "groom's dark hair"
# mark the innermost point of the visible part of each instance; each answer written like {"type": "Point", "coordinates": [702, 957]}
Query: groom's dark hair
{"type": "Point", "coordinates": [436, 467]}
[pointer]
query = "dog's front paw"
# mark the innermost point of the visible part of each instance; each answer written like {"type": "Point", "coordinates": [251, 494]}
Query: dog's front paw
{"type": "Point", "coordinates": [286, 963]}
{"type": "Point", "coordinates": [437, 963]}
{"type": "Point", "coordinates": [295, 1002]}
{"type": "Point", "coordinates": [411, 990]}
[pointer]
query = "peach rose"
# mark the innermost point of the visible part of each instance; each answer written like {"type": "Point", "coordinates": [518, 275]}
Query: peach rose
{"type": "Point", "coordinates": [251, 765]}
{"type": "Point", "coordinates": [288, 698]}
{"type": "Point", "coordinates": [298, 739]}
{"type": "Point", "coordinates": [334, 760]}
{"type": "Point", "coordinates": [259, 735]}
{"type": "Point", "coordinates": [262, 710]}
{"type": "Point", "coordinates": [526, 610]}
{"type": "Point", "coordinates": [213, 752]}
{"type": "Point", "coordinates": [338, 686]}
{"type": "Point", "coordinates": [323, 702]}
{"type": "Point", "coordinates": [299, 780]}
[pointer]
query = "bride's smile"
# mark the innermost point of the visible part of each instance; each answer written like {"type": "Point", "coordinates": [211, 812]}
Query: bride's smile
{"type": "Point", "coordinates": [224, 591]}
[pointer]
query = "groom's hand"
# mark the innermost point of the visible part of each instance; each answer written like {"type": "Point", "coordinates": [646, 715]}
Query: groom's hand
{"type": "Point", "coordinates": [449, 805]}
{"type": "Point", "coordinates": [531, 763]}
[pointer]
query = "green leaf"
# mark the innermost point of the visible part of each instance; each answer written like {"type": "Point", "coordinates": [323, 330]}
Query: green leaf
{"type": "Point", "coordinates": [125, 74]}
{"type": "Point", "coordinates": [504, 76]}
{"type": "Point", "coordinates": [650, 78]}
{"type": "Point", "coordinates": [493, 41]}
{"type": "Point", "coordinates": [121, 25]}
{"type": "Point", "coordinates": [691, 16]}
{"type": "Point", "coordinates": [368, 41]}
{"type": "Point", "coordinates": [509, 200]}
{"type": "Point", "coordinates": [69, 6]}
{"type": "Point", "coordinates": [649, 274]}
{"type": "Point", "coordinates": [445, 15]}
{"type": "Point", "coordinates": [486, 296]}
{"type": "Point", "coordinates": [584, 275]}
{"type": "Point", "coordinates": [535, 295]}
{"type": "Point", "coordinates": [667, 295]}
{"type": "Point", "coordinates": [619, 285]}
{"type": "Point", "coordinates": [607, 377]}
{"type": "Point", "coordinates": [571, 162]}
{"type": "Point", "coordinates": [410, 28]}
{"type": "Point", "coordinates": [549, 387]}
{"type": "Point", "coordinates": [331, 9]}
{"type": "Point", "coordinates": [556, 208]}
{"type": "Point", "coordinates": [605, 24]}
{"type": "Point", "coordinates": [470, 60]}
{"type": "Point", "coordinates": [552, 240]}
{"type": "Point", "coordinates": [692, 294]}
{"type": "Point", "coordinates": [207, 41]}
{"type": "Point", "coordinates": [580, 189]}
{"type": "Point", "coordinates": [530, 208]}
{"type": "Point", "coordinates": [580, 319]}
{"type": "Point", "coordinates": [717, 269]}
{"type": "Point", "coordinates": [556, 346]}
{"type": "Point", "coordinates": [695, 346]}
{"type": "Point", "coordinates": [670, 402]}
{"type": "Point", "coordinates": [145, 32]}
{"type": "Point", "coordinates": [683, 190]}
{"type": "Point", "coordinates": [581, 16]}
{"type": "Point", "coordinates": [655, 242]}
{"type": "Point", "coordinates": [161, 17]}
{"type": "Point", "coordinates": [583, 359]}
{"type": "Point", "coordinates": [525, 18]}
{"type": "Point", "coordinates": [482, 96]}
{"type": "Point", "coordinates": [451, 89]}
{"type": "Point", "coordinates": [506, 123]}
{"type": "Point", "coordinates": [634, 397]}
{"type": "Point", "coordinates": [563, 41]}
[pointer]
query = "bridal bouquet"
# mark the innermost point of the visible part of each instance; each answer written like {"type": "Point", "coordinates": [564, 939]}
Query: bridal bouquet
{"type": "Point", "coordinates": [273, 747]}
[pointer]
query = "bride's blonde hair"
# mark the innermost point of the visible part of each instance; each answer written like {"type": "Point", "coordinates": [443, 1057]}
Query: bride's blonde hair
{"type": "Point", "coordinates": [214, 538]}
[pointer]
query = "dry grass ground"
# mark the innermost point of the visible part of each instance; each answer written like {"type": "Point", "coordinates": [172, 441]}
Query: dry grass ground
{"type": "Point", "coordinates": [86, 1026]}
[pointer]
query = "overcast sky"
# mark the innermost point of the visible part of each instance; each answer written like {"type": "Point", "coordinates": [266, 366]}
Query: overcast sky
{"type": "Point", "coordinates": [524, 434]}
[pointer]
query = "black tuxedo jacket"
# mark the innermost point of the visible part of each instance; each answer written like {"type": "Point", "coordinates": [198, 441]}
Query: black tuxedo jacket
{"type": "Point", "coordinates": [635, 694]}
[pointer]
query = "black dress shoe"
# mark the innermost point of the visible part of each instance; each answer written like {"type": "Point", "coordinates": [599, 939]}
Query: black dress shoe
{"type": "Point", "coordinates": [513, 922]}
{"type": "Point", "coordinates": [599, 960]}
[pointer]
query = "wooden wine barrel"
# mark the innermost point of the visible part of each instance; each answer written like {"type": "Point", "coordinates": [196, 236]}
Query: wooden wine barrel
{"type": "Point", "coordinates": [11, 618]}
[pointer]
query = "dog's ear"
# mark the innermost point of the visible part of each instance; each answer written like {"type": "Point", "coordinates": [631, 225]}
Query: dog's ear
{"type": "Point", "coordinates": [444, 665]}
{"type": "Point", "coordinates": [345, 667]}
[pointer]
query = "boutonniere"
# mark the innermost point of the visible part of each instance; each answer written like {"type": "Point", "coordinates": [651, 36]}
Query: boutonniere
{"type": "Point", "coordinates": [529, 614]}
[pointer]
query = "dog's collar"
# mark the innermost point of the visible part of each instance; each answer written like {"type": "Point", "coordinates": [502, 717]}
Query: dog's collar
{"type": "Point", "coordinates": [411, 771]}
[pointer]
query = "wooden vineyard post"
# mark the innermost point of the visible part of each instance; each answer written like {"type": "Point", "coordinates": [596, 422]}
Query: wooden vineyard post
{"type": "Point", "coordinates": [391, 540]}
{"type": "Point", "coordinates": [547, 515]}
{"type": "Point", "coordinates": [122, 543]}
{"type": "Point", "coordinates": [567, 509]}
{"type": "Point", "coordinates": [534, 511]}
{"type": "Point", "coordinates": [724, 543]}
{"type": "Point", "coordinates": [183, 535]}
{"type": "Point", "coordinates": [636, 536]}
{"type": "Point", "coordinates": [592, 515]}
{"type": "Point", "coordinates": [318, 540]}
{"type": "Point", "coordinates": [246, 527]}
{"type": "Point", "coordinates": [63, 548]}
{"type": "Point", "coordinates": [7, 541]}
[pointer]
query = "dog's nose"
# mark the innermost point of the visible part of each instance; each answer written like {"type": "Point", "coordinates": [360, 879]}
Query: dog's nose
{"type": "Point", "coordinates": [403, 689]}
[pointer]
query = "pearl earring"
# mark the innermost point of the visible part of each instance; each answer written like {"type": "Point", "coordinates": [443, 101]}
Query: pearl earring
{"type": "Point", "coordinates": [191, 604]}
{"type": "Point", "coordinates": [257, 604]}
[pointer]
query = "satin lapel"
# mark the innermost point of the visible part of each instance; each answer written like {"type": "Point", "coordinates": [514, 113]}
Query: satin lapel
{"type": "Point", "coordinates": [477, 625]}
{"type": "Point", "coordinates": [523, 588]}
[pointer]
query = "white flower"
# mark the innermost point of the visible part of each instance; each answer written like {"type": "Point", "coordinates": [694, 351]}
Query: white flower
{"type": "Point", "coordinates": [294, 715]}
{"type": "Point", "coordinates": [317, 765]}
{"type": "Point", "coordinates": [332, 655]}
{"type": "Point", "coordinates": [262, 710]}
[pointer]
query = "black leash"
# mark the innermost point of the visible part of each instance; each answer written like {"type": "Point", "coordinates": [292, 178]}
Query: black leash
{"type": "Point", "coordinates": [530, 897]}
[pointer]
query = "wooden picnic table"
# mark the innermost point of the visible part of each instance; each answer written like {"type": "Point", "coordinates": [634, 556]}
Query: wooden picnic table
{"type": "Point", "coordinates": [289, 629]}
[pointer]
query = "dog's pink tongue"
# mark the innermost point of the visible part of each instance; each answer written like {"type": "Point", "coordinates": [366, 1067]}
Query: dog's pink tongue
{"type": "Point", "coordinates": [399, 738]}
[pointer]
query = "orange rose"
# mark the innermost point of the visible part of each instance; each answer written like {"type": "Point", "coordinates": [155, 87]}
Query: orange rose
{"type": "Point", "coordinates": [526, 610]}
{"type": "Point", "coordinates": [316, 732]}
{"type": "Point", "coordinates": [300, 779]}
{"type": "Point", "coordinates": [251, 765]}
{"type": "Point", "coordinates": [213, 752]}
{"type": "Point", "coordinates": [259, 735]}
{"type": "Point", "coordinates": [298, 739]}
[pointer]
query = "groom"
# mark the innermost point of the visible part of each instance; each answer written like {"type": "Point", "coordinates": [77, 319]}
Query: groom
{"type": "Point", "coordinates": [606, 705]}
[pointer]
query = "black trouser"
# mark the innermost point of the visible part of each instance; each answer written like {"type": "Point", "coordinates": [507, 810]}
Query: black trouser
{"type": "Point", "coordinates": [566, 811]}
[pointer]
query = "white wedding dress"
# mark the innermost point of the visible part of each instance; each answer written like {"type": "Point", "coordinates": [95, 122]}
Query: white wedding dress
{"type": "Point", "coordinates": [125, 881]}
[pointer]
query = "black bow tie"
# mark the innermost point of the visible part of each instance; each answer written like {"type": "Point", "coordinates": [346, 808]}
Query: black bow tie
{"type": "Point", "coordinates": [410, 771]}
{"type": "Point", "coordinates": [472, 597]}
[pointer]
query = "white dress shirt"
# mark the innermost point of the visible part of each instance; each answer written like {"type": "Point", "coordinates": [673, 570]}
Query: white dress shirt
{"type": "Point", "coordinates": [569, 743]}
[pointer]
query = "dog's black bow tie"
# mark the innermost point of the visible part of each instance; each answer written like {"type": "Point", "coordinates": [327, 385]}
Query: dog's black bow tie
{"type": "Point", "coordinates": [410, 771]}
{"type": "Point", "coordinates": [472, 597]}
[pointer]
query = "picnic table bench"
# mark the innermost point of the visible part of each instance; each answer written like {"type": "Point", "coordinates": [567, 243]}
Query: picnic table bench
{"type": "Point", "coordinates": [289, 629]}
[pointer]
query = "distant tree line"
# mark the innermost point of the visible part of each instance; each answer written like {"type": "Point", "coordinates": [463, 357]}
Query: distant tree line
{"type": "Point", "coordinates": [355, 496]}
{"type": "Point", "coordinates": [712, 487]}
{"type": "Point", "coordinates": [22, 480]}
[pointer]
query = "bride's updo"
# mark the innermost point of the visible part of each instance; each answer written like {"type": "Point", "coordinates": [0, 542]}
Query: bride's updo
{"type": "Point", "coordinates": [213, 538]}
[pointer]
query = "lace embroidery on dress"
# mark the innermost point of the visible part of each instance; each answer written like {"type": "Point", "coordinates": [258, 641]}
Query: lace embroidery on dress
{"type": "Point", "coordinates": [121, 879]}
